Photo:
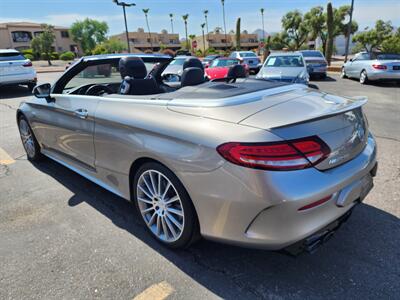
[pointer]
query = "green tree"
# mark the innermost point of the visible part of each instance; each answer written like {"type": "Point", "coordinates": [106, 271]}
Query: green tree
{"type": "Point", "coordinates": [315, 22]}
{"type": "Point", "coordinates": [185, 20]}
{"type": "Point", "coordinates": [88, 33]}
{"type": "Point", "coordinates": [296, 29]}
{"type": "Point", "coordinates": [171, 17]}
{"type": "Point", "coordinates": [204, 40]}
{"type": "Point", "coordinates": [375, 37]}
{"type": "Point", "coordinates": [110, 46]}
{"type": "Point", "coordinates": [262, 19]}
{"type": "Point", "coordinates": [238, 34]}
{"type": "Point", "coordinates": [146, 12]}
{"type": "Point", "coordinates": [330, 29]}
{"type": "Point", "coordinates": [43, 43]}
{"type": "Point", "coordinates": [392, 44]}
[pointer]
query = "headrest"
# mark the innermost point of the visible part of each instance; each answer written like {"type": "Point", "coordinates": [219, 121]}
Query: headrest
{"type": "Point", "coordinates": [133, 67]}
{"type": "Point", "coordinates": [236, 71]}
{"type": "Point", "coordinates": [192, 62]}
{"type": "Point", "coordinates": [192, 76]}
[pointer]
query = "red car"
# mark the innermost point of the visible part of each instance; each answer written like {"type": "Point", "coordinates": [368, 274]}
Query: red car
{"type": "Point", "coordinates": [219, 67]}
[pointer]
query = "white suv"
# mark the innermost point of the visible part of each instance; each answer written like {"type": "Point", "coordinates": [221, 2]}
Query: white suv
{"type": "Point", "coordinates": [16, 69]}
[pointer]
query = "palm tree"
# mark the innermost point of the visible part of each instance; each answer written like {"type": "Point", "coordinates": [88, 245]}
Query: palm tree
{"type": "Point", "coordinates": [262, 16]}
{"type": "Point", "coordinates": [192, 37]}
{"type": "Point", "coordinates": [146, 11]}
{"type": "Point", "coordinates": [204, 41]}
{"type": "Point", "coordinates": [171, 16]}
{"type": "Point", "coordinates": [223, 15]}
{"type": "Point", "coordinates": [185, 20]}
{"type": "Point", "coordinates": [205, 12]}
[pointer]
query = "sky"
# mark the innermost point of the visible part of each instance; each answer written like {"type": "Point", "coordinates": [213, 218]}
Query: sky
{"type": "Point", "coordinates": [65, 12]}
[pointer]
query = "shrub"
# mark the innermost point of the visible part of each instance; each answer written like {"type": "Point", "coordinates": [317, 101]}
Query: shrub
{"type": "Point", "coordinates": [43, 56]}
{"type": "Point", "coordinates": [27, 51]}
{"type": "Point", "coordinates": [29, 56]}
{"type": "Point", "coordinates": [169, 52]}
{"type": "Point", "coordinates": [199, 53]}
{"type": "Point", "coordinates": [67, 56]}
{"type": "Point", "coordinates": [55, 55]}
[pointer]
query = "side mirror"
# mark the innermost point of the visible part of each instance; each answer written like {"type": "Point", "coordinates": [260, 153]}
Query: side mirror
{"type": "Point", "coordinates": [43, 91]}
{"type": "Point", "coordinates": [351, 59]}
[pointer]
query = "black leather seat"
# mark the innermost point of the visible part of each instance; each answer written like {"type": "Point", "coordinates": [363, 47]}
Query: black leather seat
{"type": "Point", "coordinates": [133, 71]}
{"type": "Point", "coordinates": [192, 62]}
{"type": "Point", "coordinates": [236, 71]}
{"type": "Point", "coordinates": [192, 76]}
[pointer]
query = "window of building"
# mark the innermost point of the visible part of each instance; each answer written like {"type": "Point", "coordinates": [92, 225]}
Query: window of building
{"type": "Point", "coordinates": [148, 40]}
{"type": "Point", "coordinates": [37, 33]}
{"type": "Point", "coordinates": [21, 36]}
{"type": "Point", "coordinates": [134, 40]}
{"type": "Point", "coordinates": [65, 34]}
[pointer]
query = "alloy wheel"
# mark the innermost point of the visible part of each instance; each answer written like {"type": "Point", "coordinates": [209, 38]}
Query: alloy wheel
{"type": "Point", "coordinates": [363, 77]}
{"type": "Point", "coordinates": [27, 138]}
{"type": "Point", "coordinates": [160, 206]}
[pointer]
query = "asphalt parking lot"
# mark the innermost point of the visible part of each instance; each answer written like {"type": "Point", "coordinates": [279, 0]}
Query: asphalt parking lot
{"type": "Point", "coordinates": [63, 237]}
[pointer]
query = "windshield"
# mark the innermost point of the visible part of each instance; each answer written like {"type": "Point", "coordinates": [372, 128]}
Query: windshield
{"type": "Point", "coordinates": [7, 56]}
{"type": "Point", "coordinates": [247, 54]}
{"type": "Point", "coordinates": [211, 57]}
{"type": "Point", "coordinates": [224, 62]}
{"type": "Point", "coordinates": [387, 56]}
{"type": "Point", "coordinates": [312, 54]}
{"type": "Point", "coordinates": [178, 62]}
{"type": "Point", "coordinates": [284, 61]}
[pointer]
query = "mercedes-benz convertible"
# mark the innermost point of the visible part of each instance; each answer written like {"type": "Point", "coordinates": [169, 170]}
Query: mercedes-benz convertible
{"type": "Point", "coordinates": [240, 160]}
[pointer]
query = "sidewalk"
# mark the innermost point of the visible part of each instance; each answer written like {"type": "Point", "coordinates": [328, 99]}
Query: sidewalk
{"type": "Point", "coordinates": [41, 66]}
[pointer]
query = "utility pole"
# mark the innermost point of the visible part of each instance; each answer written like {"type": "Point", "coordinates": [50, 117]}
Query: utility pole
{"type": "Point", "coordinates": [124, 4]}
{"type": "Point", "coordinates": [349, 31]}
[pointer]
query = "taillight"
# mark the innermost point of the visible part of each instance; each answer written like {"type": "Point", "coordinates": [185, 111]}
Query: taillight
{"type": "Point", "coordinates": [379, 67]}
{"type": "Point", "coordinates": [280, 156]}
{"type": "Point", "coordinates": [27, 64]}
{"type": "Point", "coordinates": [316, 203]}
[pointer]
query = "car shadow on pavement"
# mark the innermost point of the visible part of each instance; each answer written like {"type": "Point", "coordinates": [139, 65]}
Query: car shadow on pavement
{"type": "Point", "coordinates": [14, 91]}
{"type": "Point", "coordinates": [384, 84]}
{"type": "Point", "coordinates": [319, 79]}
{"type": "Point", "coordinates": [360, 261]}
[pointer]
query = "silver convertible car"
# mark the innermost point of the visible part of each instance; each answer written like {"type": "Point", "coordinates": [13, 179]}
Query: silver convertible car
{"type": "Point", "coordinates": [367, 67]}
{"type": "Point", "coordinates": [244, 161]}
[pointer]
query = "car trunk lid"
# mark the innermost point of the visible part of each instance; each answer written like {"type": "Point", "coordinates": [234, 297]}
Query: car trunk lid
{"type": "Point", "coordinates": [339, 122]}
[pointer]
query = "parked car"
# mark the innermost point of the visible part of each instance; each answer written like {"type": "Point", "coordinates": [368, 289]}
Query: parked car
{"type": "Point", "coordinates": [16, 69]}
{"type": "Point", "coordinates": [174, 70]}
{"type": "Point", "coordinates": [286, 67]}
{"type": "Point", "coordinates": [315, 62]}
{"type": "Point", "coordinates": [249, 58]}
{"type": "Point", "coordinates": [368, 67]}
{"type": "Point", "coordinates": [209, 58]}
{"type": "Point", "coordinates": [219, 67]}
{"type": "Point", "coordinates": [255, 163]}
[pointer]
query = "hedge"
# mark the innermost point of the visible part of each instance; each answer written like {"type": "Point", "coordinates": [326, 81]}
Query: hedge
{"type": "Point", "coordinates": [67, 55]}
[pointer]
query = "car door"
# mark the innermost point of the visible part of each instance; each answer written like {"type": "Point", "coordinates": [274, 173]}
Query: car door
{"type": "Point", "coordinates": [70, 118]}
{"type": "Point", "coordinates": [358, 64]}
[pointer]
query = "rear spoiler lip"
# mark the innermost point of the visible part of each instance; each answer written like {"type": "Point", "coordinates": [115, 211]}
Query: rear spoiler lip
{"type": "Point", "coordinates": [357, 102]}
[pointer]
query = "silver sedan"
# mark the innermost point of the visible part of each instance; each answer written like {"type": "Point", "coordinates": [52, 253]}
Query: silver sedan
{"type": "Point", "coordinates": [368, 67]}
{"type": "Point", "coordinates": [249, 162]}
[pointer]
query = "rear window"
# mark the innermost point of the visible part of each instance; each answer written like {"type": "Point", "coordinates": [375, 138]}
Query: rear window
{"type": "Point", "coordinates": [312, 54]}
{"type": "Point", "coordinates": [284, 61]}
{"type": "Point", "coordinates": [224, 62]}
{"type": "Point", "coordinates": [247, 54]}
{"type": "Point", "coordinates": [387, 56]}
{"type": "Point", "coordinates": [7, 56]}
{"type": "Point", "coordinates": [178, 62]}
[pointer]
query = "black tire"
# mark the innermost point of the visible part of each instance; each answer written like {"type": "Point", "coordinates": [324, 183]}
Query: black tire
{"type": "Point", "coordinates": [32, 153]}
{"type": "Point", "coordinates": [31, 86]}
{"type": "Point", "coordinates": [364, 77]}
{"type": "Point", "coordinates": [191, 231]}
{"type": "Point", "coordinates": [343, 73]}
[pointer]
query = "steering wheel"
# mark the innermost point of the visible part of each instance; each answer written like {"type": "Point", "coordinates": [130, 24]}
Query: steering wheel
{"type": "Point", "coordinates": [98, 90]}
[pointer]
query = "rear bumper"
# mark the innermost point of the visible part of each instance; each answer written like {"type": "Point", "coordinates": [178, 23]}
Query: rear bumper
{"type": "Point", "coordinates": [318, 70]}
{"type": "Point", "coordinates": [18, 79]}
{"type": "Point", "coordinates": [384, 75]}
{"type": "Point", "coordinates": [256, 208]}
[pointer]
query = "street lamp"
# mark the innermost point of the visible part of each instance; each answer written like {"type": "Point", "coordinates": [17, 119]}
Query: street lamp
{"type": "Point", "coordinates": [124, 4]}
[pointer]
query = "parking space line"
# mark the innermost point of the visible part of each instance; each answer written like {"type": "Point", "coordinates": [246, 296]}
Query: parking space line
{"type": "Point", "coordinates": [5, 159]}
{"type": "Point", "coordinates": [157, 291]}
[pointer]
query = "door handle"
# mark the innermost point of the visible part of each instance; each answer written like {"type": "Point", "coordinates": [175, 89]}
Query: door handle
{"type": "Point", "coordinates": [81, 113]}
